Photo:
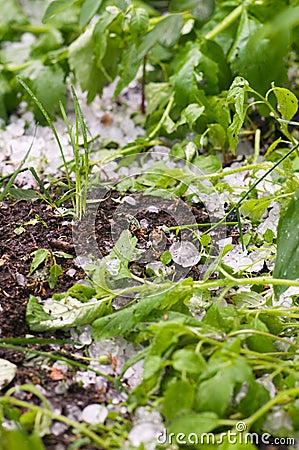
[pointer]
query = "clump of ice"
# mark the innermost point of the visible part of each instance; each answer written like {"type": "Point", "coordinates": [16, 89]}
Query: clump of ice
{"type": "Point", "coordinates": [184, 253]}
{"type": "Point", "coordinates": [271, 222]}
{"type": "Point", "coordinates": [148, 426]}
{"type": "Point", "coordinates": [95, 414]}
{"type": "Point", "coordinates": [244, 260]}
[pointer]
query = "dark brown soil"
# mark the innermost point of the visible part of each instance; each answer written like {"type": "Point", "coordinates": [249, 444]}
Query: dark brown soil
{"type": "Point", "coordinates": [54, 232]}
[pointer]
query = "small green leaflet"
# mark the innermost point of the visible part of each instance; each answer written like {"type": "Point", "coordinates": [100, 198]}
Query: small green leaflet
{"type": "Point", "coordinates": [88, 10]}
{"type": "Point", "coordinates": [56, 7]}
{"type": "Point", "coordinates": [166, 32]}
{"type": "Point", "coordinates": [287, 259]}
{"type": "Point", "coordinates": [40, 256]}
{"type": "Point", "coordinates": [287, 103]}
{"type": "Point", "coordinates": [236, 96]}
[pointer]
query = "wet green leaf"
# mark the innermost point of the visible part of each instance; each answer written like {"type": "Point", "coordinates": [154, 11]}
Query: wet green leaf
{"type": "Point", "coordinates": [287, 258]}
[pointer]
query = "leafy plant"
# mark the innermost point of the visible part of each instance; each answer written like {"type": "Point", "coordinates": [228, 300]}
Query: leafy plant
{"type": "Point", "coordinates": [48, 257]}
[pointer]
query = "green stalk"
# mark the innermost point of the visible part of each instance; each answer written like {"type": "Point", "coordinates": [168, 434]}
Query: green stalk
{"type": "Point", "coordinates": [71, 423]}
{"type": "Point", "coordinates": [246, 194]}
{"type": "Point", "coordinates": [226, 23]}
{"type": "Point", "coordinates": [50, 123]}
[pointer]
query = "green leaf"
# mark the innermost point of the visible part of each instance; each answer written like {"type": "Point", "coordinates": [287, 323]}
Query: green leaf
{"type": "Point", "coordinates": [128, 68]}
{"type": "Point", "coordinates": [248, 300]}
{"type": "Point", "coordinates": [123, 321]}
{"type": "Point", "coordinates": [190, 114]}
{"type": "Point", "coordinates": [201, 423]}
{"type": "Point", "coordinates": [287, 258]}
{"type": "Point", "coordinates": [237, 96]}
{"type": "Point", "coordinates": [208, 163]}
{"type": "Point", "coordinates": [166, 32]}
{"type": "Point", "coordinates": [187, 360]}
{"type": "Point", "coordinates": [18, 438]}
{"type": "Point", "coordinates": [40, 256]}
{"type": "Point", "coordinates": [82, 61]}
{"type": "Point", "coordinates": [178, 398]}
{"type": "Point", "coordinates": [42, 78]}
{"type": "Point", "coordinates": [139, 22]}
{"type": "Point", "coordinates": [258, 342]}
{"type": "Point", "coordinates": [7, 372]}
{"type": "Point", "coordinates": [157, 95]}
{"type": "Point", "coordinates": [35, 312]}
{"type": "Point", "coordinates": [256, 396]}
{"type": "Point", "coordinates": [88, 10]}
{"type": "Point", "coordinates": [23, 194]}
{"type": "Point", "coordinates": [56, 7]}
{"type": "Point", "coordinates": [65, 313]}
{"type": "Point", "coordinates": [184, 79]}
{"type": "Point", "coordinates": [166, 257]}
{"type": "Point", "coordinates": [55, 272]}
{"type": "Point", "coordinates": [214, 394]}
{"type": "Point", "coordinates": [255, 207]}
{"type": "Point", "coordinates": [287, 103]}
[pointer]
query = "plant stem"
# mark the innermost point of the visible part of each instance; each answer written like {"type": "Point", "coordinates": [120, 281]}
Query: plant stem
{"type": "Point", "coordinates": [164, 115]}
{"type": "Point", "coordinates": [71, 423]}
{"type": "Point", "coordinates": [226, 22]}
{"type": "Point", "coordinates": [244, 196]}
{"type": "Point", "coordinates": [282, 397]}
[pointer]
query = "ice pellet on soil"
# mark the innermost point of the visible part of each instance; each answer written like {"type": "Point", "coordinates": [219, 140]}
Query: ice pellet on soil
{"type": "Point", "coordinates": [21, 279]}
{"type": "Point", "coordinates": [58, 428]}
{"type": "Point", "coordinates": [95, 414]}
{"type": "Point", "coordinates": [184, 253]}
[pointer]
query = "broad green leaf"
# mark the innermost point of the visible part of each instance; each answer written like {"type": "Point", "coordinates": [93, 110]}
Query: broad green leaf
{"type": "Point", "coordinates": [139, 22]}
{"type": "Point", "coordinates": [40, 256]}
{"type": "Point", "coordinates": [287, 102]}
{"type": "Point", "coordinates": [128, 68]}
{"type": "Point", "coordinates": [35, 312]}
{"type": "Point", "coordinates": [121, 322]}
{"type": "Point", "coordinates": [152, 366]}
{"type": "Point", "coordinates": [192, 423]}
{"type": "Point", "coordinates": [187, 360]}
{"type": "Point", "coordinates": [82, 62]}
{"type": "Point", "coordinates": [248, 300]}
{"type": "Point", "coordinates": [237, 97]}
{"type": "Point", "coordinates": [55, 272]}
{"type": "Point", "coordinates": [7, 372]}
{"type": "Point", "coordinates": [256, 396]}
{"type": "Point", "coordinates": [56, 7]}
{"type": "Point", "coordinates": [217, 135]}
{"type": "Point", "coordinates": [213, 395]}
{"type": "Point", "coordinates": [184, 79]}
{"type": "Point", "coordinates": [19, 439]}
{"type": "Point", "coordinates": [41, 77]}
{"type": "Point", "coordinates": [178, 398]}
{"type": "Point", "coordinates": [166, 32]}
{"type": "Point", "coordinates": [190, 114]}
{"type": "Point", "coordinates": [157, 95]}
{"type": "Point", "coordinates": [255, 207]}
{"type": "Point", "coordinates": [65, 313]}
{"type": "Point", "coordinates": [258, 342]}
{"type": "Point", "coordinates": [287, 258]}
{"type": "Point", "coordinates": [200, 9]}
{"type": "Point", "coordinates": [208, 163]}
{"type": "Point", "coordinates": [88, 10]}
{"type": "Point", "coordinates": [166, 257]}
